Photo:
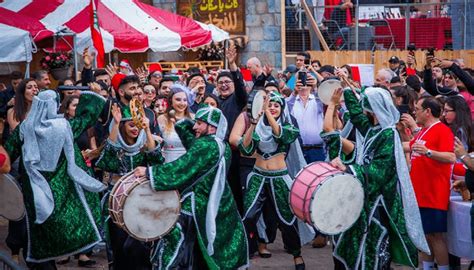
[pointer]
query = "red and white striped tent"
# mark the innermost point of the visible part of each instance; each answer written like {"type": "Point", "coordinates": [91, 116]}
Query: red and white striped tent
{"type": "Point", "coordinates": [126, 25]}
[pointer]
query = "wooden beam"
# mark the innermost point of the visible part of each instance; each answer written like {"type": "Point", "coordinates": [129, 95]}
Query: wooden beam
{"type": "Point", "coordinates": [309, 15]}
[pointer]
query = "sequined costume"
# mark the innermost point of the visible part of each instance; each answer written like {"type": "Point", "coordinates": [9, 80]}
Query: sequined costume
{"type": "Point", "coordinates": [263, 185]}
{"type": "Point", "coordinates": [388, 228]}
{"type": "Point", "coordinates": [71, 225]}
{"type": "Point", "coordinates": [118, 158]}
{"type": "Point", "coordinates": [209, 215]}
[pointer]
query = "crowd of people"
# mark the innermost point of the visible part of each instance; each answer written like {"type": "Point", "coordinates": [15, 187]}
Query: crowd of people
{"type": "Point", "coordinates": [408, 140]}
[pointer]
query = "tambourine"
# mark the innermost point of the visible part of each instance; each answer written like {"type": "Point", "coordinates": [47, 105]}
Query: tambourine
{"type": "Point", "coordinates": [138, 112]}
{"type": "Point", "coordinates": [327, 88]}
{"type": "Point", "coordinates": [255, 103]}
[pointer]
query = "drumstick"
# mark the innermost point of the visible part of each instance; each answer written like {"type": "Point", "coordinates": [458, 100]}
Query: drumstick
{"type": "Point", "coordinates": [346, 80]}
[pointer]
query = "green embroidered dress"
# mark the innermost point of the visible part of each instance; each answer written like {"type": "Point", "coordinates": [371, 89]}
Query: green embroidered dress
{"type": "Point", "coordinates": [71, 227]}
{"type": "Point", "coordinates": [116, 160]}
{"type": "Point", "coordinates": [279, 181]}
{"type": "Point", "coordinates": [361, 247]}
{"type": "Point", "coordinates": [193, 175]}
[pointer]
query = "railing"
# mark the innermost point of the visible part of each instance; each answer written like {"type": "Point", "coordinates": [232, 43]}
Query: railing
{"type": "Point", "coordinates": [443, 26]}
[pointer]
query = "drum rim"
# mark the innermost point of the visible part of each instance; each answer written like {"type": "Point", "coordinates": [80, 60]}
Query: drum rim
{"type": "Point", "coordinates": [251, 97]}
{"type": "Point", "coordinates": [328, 81]}
{"type": "Point", "coordinates": [321, 184]}
{"type": "Point", "coordinates": [12, 180]}
{"type": "Point", "coordinates": [164, 233]}
{"type": "Point", "coordinates": [294, 181]}
{"type": "Point", "coordinates": [115, 215]}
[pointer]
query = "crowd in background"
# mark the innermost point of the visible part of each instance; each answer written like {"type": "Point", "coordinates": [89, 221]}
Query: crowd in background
{"type": "Point", "coordinates": [440, 91]}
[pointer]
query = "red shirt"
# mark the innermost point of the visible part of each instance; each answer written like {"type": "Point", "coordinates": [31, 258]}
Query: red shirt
{"type": "Point", "coordinates": [2, 159]}
{"type": "Point", "coordinates": [431, 178]}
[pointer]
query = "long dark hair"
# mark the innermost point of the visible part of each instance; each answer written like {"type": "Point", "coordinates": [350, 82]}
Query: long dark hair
{"type": "Point", "coordinates": [66, 103]}
{"type": "Point", "coordinates": [22, 106]}
{"type": "Point", "coordinates": [463, 121]}
{"type": "Point", "coordinates": [169, 124]}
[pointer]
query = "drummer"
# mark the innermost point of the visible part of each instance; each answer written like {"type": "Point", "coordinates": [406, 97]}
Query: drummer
{"type": "Point", "coordinates": [389, 227]}
{"type": "Point", "coordinates": [209, 233]}
{"type": "Point", "coordinates": [126, 148]}
{"type": "Point", "coordinates": [270, 137]}
{"type": "Point", "coordinates": [4, 161]}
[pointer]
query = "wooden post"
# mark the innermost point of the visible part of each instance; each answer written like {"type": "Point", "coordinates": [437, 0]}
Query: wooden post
{"type": "Point", "coordinates": [283, 34]}
{"type": "Point", "coordinates": [309, 15]}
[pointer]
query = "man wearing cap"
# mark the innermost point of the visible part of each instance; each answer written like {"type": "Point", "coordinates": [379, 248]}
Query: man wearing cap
{"type": "Point", "coordinates": [394, 65]}
{"type": "Point", "coordinates": [209, 233]}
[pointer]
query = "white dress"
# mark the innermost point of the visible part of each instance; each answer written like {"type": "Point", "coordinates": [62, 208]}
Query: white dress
{"type": "Point", "coordinates": [172, 146]}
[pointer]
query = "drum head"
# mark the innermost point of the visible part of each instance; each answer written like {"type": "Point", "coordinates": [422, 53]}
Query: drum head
{"type": "Point", "coordinates": [327, 88]}
{"type": "Point", "coordinates": [337, 204]}
{"type": "Point", "coordinates": [150, 214]}
{"type": "Point", "coordinates": [257, 103]}
{"type": "Point", "coordinates": [12, 206]}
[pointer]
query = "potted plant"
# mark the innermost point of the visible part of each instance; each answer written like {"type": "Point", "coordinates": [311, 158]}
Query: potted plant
{"type": "Point", "coordinates": [58, 63]}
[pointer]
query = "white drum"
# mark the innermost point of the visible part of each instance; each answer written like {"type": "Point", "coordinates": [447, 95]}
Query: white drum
{"type": "Point", "coordinates": [12, 206]}
{"type": "Point", "coordinates": [326, 198]}
{"type": "Point", "coordinates": [143, 213]}
{"type": "Point", "coordinates": [326, 90]}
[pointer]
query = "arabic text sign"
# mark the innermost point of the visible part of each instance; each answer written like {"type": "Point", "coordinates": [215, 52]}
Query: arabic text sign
{"type": "Point", "coordinates": [228, 15]}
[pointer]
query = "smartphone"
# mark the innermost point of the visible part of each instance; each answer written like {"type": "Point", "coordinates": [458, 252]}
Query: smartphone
{"type": "Point", "coordinates": [302, 75]}
{"type": "Point", "coordinates": [430, 51]}
{"type": "Point", "coordinates": [411, 49]}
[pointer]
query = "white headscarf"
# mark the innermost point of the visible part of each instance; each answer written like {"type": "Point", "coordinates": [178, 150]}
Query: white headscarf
{"type": "Point", "coordinates": [46, 134]}
{"type": "Point", "coordinates": [381, 104]}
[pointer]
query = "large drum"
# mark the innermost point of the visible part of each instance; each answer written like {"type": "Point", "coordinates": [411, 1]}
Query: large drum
{"type": "Point", "coordinates": [326, 198]}
{"type": "Point", "coordinates": [143, 213]}
{"type": "Point", "coordinates": [12, 206]}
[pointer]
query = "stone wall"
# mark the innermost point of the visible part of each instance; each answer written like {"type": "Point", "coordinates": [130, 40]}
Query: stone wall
{"type": "Point", "coordinates": [262, 23]}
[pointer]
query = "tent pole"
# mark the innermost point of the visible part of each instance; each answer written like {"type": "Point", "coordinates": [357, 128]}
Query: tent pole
{"type": "Point", "coordinates": [75, 57]}
{"type": "Point", "coordinates": [27, 70]}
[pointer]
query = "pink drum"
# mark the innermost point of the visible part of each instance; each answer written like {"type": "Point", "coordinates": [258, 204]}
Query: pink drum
{"type": "Point", "coordinates": [143, 213]}
{"type": "Point", "coordinates": [327, 198]}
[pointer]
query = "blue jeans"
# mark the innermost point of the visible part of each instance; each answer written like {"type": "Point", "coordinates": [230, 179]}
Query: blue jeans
{"type": "Point", "coordinates": [315, 154]}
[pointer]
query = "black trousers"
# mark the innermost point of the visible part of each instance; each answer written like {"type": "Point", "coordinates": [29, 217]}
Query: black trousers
{"type": "Point", "coordinates": [189, 255]}
{"type": "Point", "coordinates": [128, 253]}
{"type": "Point", "coordinates": [289, 233]}
{"type": "Point", "coordinates": [233, 177]}
{"type": "Point", "coordinates": [17, 237]}
{"type": "Point", "coordinates": [270, 220]}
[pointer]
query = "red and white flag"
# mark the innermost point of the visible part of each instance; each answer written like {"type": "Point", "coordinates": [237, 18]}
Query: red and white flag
{"type": "Point", "coordinates": [96, 35]}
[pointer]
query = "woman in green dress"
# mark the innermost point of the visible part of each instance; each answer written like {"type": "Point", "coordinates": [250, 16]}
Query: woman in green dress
{"type": "Point", "coordinates": [60, 197]}
{"type": "Point", "coordinates": [127, 148]}
{"type": "Point", "coordinates": [270, 138]}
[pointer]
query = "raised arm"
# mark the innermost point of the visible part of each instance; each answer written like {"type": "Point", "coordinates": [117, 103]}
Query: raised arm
{"type": "Point", "coordinates": [88, 110]}
{"type": "Point", "coordinates": [356, 114]}
{"type": "Point", "coordinates": [181, 173]}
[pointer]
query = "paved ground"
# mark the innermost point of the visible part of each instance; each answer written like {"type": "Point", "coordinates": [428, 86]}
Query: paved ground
{"type": "Point", "coordinates": [314, 258]}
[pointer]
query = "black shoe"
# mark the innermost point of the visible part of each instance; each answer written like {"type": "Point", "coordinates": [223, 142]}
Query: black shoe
{"type": "Point", "coordinates": [87, 264]}
{"type": "Point", "coordinates": [265, 255]}
{"type": "Point", "coordinates": [61, 262]}
{"type": "Point", "coordinates": [300, 266]}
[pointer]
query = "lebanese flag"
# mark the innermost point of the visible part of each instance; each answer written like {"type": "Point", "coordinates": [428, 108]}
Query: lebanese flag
{"type": "Point", "coordinates": [96, 35]}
